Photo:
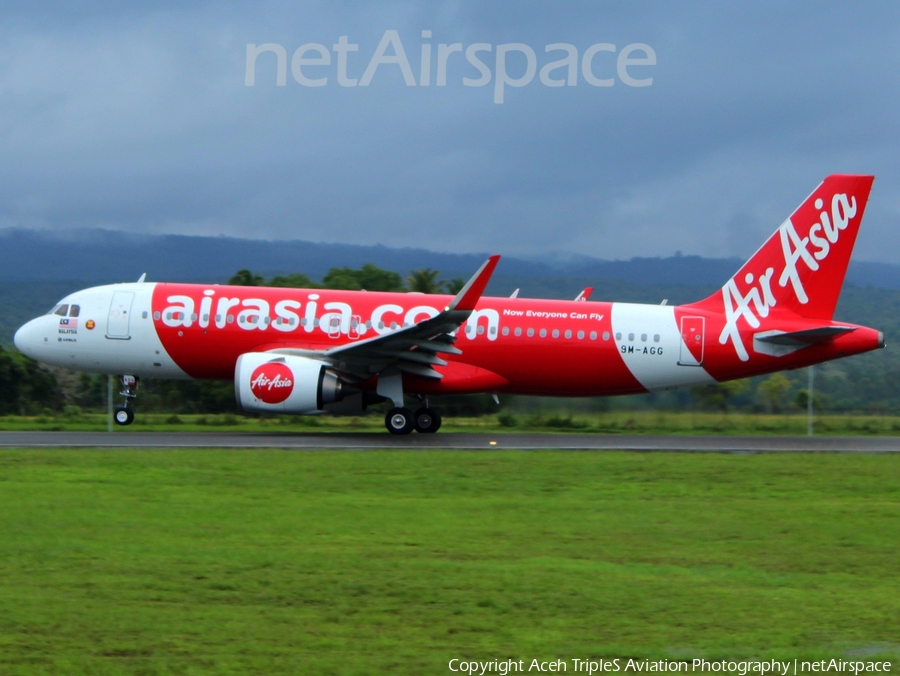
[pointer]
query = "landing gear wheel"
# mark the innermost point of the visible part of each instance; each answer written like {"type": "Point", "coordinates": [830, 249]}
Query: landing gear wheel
{"type": "Point", "coordinates": [428, 421]}
{"type": "Point", "coordinates": [399, 421]}
{"type": "Point", "coordinates": [123, 415]}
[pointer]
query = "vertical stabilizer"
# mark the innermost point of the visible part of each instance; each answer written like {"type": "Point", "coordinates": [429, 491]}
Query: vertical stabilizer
{"type": "Point", "coordinates": [802, 266]}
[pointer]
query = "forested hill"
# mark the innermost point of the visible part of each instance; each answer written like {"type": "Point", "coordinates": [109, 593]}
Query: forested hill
{"type": "Point", "coordinates": [100, 256]}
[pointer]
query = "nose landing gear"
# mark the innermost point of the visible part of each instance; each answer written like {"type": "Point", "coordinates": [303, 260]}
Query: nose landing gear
{"type": "Point", "coordinates": [123, 414]}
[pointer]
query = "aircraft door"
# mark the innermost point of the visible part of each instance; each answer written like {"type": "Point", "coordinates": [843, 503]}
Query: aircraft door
{"type": "Point", "coordinates": [692, 340]}
{"type": "Point", "coordinates": [119, 321]}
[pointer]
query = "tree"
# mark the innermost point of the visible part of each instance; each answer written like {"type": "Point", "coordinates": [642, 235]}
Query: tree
{"type": "Point", "coordinates": [25, 387]}
{"type": "Point", "coordinates": [424, 280]}
{"type": "Point", "coordinates": [91, 390]}
{"type": "Point", "coordinates": [773, 390]}
{"type": "Point", "coordinates": [245, 278]}
{"type": "Point", "coordinates": [296, 280]}
{"type": "Point", "coordinates": [369, 277]}
{"type": "Point", "coordinates": [716, 395]}
{"type": "Point", "coordinates": [454, 286]}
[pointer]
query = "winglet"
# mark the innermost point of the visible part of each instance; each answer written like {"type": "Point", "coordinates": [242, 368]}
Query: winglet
{"type": "Point", "coordinates": [469, 295]}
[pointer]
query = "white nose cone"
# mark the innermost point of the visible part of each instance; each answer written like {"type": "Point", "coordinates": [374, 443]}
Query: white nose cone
{"type": "Point", "coordinates": [26, 339]}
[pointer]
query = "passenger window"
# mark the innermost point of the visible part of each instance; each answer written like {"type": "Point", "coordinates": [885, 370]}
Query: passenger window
{"type": "Point", "coordinates": [74, 310]}
{"type": "Point", "coordinates": [531, 333]}
{"type": "Point", "coordinates": [518, 331]}
{"type": "Point", "coordinates": [543, 333]}
{"type": "Point", "coordinates": [62, 310]}
{"type": "Point", "coordinates": [505, 330]}
{"type": "Point", "coordinates": [556, 333]}
{"type": "Point", "coordinates": [568, 333]}
{"type": "Point", "coordinates": [594, 335]}
{"type": "Point", "coordinates": [581, 335]}
{"type": "Point", "coordinates": [605, 335]}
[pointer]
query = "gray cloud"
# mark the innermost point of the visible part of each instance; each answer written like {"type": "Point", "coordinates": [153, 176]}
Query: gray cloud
{"type": "Point", "coordinates": [135, 116]}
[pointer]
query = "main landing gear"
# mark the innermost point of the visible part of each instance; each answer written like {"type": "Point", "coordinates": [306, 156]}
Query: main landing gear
{"type": "Point", "coordinates": [401, 420]}
{"type": "Point", "coordinates": [124, 415]}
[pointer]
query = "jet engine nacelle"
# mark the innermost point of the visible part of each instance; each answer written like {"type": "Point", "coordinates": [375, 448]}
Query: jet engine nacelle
{"type": "Point", "coordinates": [284, 383]}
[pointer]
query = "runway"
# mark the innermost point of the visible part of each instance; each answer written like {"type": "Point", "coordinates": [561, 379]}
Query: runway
{"type": "Point", "coordinates": [450, 441]}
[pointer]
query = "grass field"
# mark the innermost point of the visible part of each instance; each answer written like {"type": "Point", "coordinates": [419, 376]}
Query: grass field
{"type": "Point", "coordinates": [601, 422]}
{"type": "Point", "coordinates": [271, 562]}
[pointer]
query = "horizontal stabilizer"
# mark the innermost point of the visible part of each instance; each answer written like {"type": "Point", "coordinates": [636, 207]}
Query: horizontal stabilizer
{"type": "Point", "coordinates": [820, 334]}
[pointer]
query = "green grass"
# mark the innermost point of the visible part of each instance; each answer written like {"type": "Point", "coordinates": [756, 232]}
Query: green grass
{"type": "Point", "coordinates": [270, 562]}
{"type": "Point", "coordinates": [602, 422]}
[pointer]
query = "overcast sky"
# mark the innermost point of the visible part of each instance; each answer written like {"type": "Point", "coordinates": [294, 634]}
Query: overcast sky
{"type": "Point", "coordinates": [136, 116]}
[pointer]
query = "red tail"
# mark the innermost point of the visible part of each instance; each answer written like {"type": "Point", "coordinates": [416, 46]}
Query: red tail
{"type": "Point", "coordinates": [802, 266]}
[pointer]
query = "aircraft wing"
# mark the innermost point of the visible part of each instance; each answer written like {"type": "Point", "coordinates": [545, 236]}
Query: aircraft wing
{"type": "Point", "coordinates": [412, 349]}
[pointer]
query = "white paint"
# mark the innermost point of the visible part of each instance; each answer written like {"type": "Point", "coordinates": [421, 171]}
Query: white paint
{"type": "Point", "coordinates": [653, 370]}
{"type": "Point", "coordinates": [92, 351]}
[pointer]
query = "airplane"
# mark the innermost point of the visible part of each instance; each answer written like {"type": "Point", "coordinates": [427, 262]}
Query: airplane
{"type": "Point", "coordinates": [312, 351]}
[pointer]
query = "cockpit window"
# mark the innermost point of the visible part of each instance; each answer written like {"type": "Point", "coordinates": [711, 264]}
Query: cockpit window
{"type": "Point", "coordinates": [74, 310]}
{"type": "Point", "coordinates": [62, 310]}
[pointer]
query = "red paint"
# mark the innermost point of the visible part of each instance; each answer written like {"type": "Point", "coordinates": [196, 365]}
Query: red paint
{"type": "Point", "coordinates": [792, 283]}
{"type": "Point", "coordinates": [272, 383]}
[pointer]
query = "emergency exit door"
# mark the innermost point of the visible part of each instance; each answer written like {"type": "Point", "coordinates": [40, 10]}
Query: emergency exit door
{"type": "Point", "coordinates": [692, 340]}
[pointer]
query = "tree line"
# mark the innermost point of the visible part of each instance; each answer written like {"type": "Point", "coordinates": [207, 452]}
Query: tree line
{"type": "Point", "coordinates": [369, 278]}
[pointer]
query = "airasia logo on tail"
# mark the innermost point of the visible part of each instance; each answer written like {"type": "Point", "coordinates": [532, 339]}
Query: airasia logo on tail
{"type": "Point", "coordinates": [796, 255]}
{"type": "Point", "coordinates": [272, 383]}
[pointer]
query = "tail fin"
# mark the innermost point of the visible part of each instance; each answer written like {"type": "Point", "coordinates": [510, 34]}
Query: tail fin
{"type": "Point", "coordinates": [802, 266]}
